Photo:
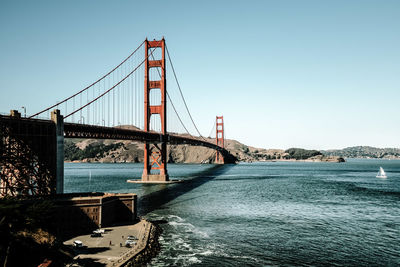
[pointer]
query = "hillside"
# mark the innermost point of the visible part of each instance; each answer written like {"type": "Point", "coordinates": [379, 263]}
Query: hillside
{"type": "Point", "coordinates": [91, 150]}
{"type": "Point", "coordinates": [364, 152]}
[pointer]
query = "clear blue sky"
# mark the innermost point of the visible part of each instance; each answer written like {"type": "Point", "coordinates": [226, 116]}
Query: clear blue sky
{"type": "Point", "coordinates": [311, 74]}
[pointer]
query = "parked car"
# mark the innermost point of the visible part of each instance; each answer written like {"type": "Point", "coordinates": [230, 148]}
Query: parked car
{"type": "Point", "coordinates": [130, 243]}
{"type": "Point", "coordinates": [77, 244]}
{"type": "Point", "coordinates": [131, 237]}
{"type": "Point", "coordinates": [101, 231]}
{"type": "Point", "coordinates": [95, 234]}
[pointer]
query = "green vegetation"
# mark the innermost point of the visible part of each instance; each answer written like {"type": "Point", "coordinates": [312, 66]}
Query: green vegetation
{"type": "Point", "coordinates": [72, 152]}
{"type": "Point", "coordinates": [24, 227]}
{"type": "Point", "coordinates": [299, 153]}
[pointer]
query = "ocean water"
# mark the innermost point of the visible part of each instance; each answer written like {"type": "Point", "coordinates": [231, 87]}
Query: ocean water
{"type": "Point", "coordinates": [264, 214]}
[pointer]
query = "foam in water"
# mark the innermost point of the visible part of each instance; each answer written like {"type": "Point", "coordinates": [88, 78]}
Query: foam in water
{"type": "Point", "coordinates": [177, 244]}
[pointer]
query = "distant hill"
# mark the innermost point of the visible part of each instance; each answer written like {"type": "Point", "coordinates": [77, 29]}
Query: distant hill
{"type": "Point", "coordinates": [364, 152]}
{"type": "Point", "coordinates": [91, 150]}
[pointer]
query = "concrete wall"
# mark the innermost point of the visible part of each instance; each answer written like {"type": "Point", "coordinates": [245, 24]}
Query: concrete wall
{"type": "Point", "coordinates": [81, 213]}
{"type": "Point", "coordinates": [58, 120]}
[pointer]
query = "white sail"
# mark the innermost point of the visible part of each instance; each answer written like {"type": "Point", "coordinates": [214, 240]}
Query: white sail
{"type": "Point", "coordinates": [381, 173]}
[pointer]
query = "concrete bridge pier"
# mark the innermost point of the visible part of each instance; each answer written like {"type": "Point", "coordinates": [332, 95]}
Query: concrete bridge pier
{"type": "Point", "coordinates": [58, 120]}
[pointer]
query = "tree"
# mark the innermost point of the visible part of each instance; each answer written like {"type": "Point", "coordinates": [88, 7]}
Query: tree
{"type": "Point", "coordinates": [299, 153]}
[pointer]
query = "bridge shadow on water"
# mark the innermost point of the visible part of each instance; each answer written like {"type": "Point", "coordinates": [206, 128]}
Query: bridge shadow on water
{"type": "Point", "coordinates": [169, 192]}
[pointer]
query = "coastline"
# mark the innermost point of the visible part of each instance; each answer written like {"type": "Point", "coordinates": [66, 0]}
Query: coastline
{"type": "Point", "coordinates": [339, 160]}
{"type": "Point", "coordinates": [244, 161]}
{"type": "Point", "coordinates": [239, 161]}
{"type": "Point", "coordinates": [149, 251]}
{"type": "Point", "coordinates": [106, 251]}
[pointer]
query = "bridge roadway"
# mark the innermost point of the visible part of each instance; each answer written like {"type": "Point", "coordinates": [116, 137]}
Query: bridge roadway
{"type": "Point", "coordinates": [32, 150]}
{"type": "Point", "coordinates": [75, 130]}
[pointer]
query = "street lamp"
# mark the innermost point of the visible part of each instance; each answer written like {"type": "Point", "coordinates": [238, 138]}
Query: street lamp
{"type": "Point", "coordinates": [82, 120]}
{"type": "Point", "coordinates": [24, 111]}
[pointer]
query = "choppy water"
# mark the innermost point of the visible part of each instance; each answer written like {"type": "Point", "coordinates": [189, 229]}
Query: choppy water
{"type": "Point", "coordinates": [265, 214]}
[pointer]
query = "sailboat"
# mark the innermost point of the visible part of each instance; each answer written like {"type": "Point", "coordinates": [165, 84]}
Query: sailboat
{"type": "Point", "coordinates": [381, 173]}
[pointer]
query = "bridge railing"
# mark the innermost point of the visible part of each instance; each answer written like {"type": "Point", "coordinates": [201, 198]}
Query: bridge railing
{"type": "Point", "coordinates": [75, 130]}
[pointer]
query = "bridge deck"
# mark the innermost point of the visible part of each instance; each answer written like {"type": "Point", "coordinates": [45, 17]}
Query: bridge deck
{"type": "Point", "coordinates": [74, 130]}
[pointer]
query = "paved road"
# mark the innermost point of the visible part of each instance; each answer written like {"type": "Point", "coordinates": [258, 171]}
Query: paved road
{"type": "Point", "coordinates": [107, 249]}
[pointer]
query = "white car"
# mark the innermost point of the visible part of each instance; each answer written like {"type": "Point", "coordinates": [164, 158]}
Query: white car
{"type": "Point", "coordinates": [77, 244]}
{"type": "Point", "coordinates": [131, 237]}
{"type": "Point", "coordinates": [129, 243]}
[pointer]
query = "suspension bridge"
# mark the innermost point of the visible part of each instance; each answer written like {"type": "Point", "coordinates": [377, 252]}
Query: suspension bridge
{"type": "Point", "coordinates": [130, 102]}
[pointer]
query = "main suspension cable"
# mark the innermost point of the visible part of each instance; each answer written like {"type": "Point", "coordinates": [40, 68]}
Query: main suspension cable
{"type": "Point", "coordinates": [106, 92]}
{"type": "Point", "coordinates": [183, 98]}
{"type": "Point", "coordinates": [36, 114]}
{"type": "Point", "coordinates": [212, 131]}
{"type": "Point", "coordinates": [172, 104]}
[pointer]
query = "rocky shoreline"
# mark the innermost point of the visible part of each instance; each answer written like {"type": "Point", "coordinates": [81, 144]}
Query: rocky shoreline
{"type": "Point", "coordinates": [114, 151]}
{"type": "Point", "coordinates": [151, 249]}
{"type": "Point", "coordinates": [333, 159]}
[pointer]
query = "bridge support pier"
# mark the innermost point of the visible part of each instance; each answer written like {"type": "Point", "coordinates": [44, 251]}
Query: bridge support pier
{"type": "Point", "coordinates": [58, 120]}
{"type": "Point", "coordinates": [155, 158]}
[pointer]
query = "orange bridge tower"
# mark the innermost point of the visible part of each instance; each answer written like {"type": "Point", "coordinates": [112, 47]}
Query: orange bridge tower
{"type": "Point", "coordinates": [219, 137]}
{"type": "Point", "coordinates": [155, 155]}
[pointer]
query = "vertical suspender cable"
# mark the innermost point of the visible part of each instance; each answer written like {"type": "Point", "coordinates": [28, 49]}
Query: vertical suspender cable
{"type": "Point", "coordinates": [172, 104]}
{"type": "Point", "coordinates": [73, 108]}
{"type": "Point", "coordinates": [112, 105]}
{"type": "Point", "coordinates": [80, 112]}
{"type": "Point", "coordinates": [132, 97]}
{"type": "Point", "coordinates": [184, 101]}
{"type": "Point", "coordinates": [87, 111]}
{"type": "Point", "coordinates": [108, 109]}
{"type": "Point", "coordinates": [88, 87]}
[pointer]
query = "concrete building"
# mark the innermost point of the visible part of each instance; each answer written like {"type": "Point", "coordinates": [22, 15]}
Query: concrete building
{"type": "Point", "coordinates": [82, 212]}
